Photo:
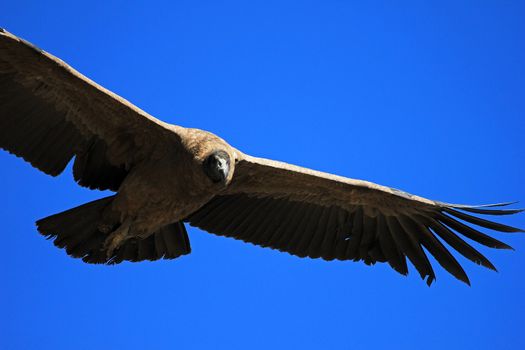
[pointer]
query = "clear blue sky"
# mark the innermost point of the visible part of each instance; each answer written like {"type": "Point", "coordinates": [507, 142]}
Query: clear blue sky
{"type": "Point", "coordinates": [426, 98]}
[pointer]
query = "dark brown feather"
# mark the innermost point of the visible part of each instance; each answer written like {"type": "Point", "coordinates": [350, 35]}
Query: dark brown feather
{"type": "Point", "coordinates": [395, 258]}
{"type": "Point", "coordinates": [471, 233]}
{"type": "Point", "coordinates": [49, 113]}
{"type": "Point", "coordinates": [482, 222]}
{"type": "Point", "coordinates": [356, 232]}
{"type": "Point", "coordinates": [307, 229]}
{"type": "Point", "coordinates": [458, 244]}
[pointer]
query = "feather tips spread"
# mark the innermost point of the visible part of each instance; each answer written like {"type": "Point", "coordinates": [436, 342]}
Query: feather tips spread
{"type": "Point", "coordinates": [315, 231]}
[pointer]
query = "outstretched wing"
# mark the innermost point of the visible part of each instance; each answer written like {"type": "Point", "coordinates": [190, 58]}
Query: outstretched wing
{"type": "Point", "coordinates": [318, 215]}
{"type": "Point", "coordinates": [49, 113]}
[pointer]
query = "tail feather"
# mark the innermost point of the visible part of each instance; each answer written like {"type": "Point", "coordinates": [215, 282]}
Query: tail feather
{"type": "Point", "coordinates": [77, 230]}
{"type": "Point", "coordinates": [175, 242]}
{"type": "Point", "coordinates": [72, 228]}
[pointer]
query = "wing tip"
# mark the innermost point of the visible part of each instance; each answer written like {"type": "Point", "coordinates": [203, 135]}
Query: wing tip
{"type": "Point", "coordinates": [463, 278]}
{"type": "Point", "coordinates": [429, 280]}
{"type": "Point", "coordinates": [492, 205]}
{"type": "Point", "coordinates": [459, 213]}
{"type": "Point", "coordinates": [489, 205]}
{"type": "Point", "coordinates": [466, 281]}
{"type": "Point", "coordinates": [487, 264]}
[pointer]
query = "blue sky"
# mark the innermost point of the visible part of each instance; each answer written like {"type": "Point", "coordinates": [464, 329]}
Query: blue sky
{"type": "Point", "coordinates": [428, 98]}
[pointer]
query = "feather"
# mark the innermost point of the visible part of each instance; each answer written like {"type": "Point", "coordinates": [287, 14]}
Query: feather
{"type": "Point", "coordinates": [482, 222]}
{"type": "Point", "coordinates": [472, 233]}
{"type": "Point", "coordinates": [458, 244]}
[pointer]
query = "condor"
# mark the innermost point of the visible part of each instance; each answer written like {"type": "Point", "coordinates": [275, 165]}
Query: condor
{"type": "Point", "coordinates": [165, 175]}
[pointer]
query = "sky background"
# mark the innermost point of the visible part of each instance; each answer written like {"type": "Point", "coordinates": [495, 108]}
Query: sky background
{"type": "Point", "coordinates": [428, 98]}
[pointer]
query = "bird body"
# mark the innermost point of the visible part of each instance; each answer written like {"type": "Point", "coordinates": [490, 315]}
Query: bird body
{"type": "Point", "coordinates": [168, 188]}
{"type": "Point", "coordinates": [165, 175]}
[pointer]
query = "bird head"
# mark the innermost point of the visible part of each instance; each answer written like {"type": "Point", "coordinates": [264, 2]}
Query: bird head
{"type": "Point", "coordinates": [214, 157]}
{"type": "Point", "coordinates": [217, 166]}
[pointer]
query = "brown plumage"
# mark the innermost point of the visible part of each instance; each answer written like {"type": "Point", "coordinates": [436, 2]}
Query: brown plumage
{"type": "Point", "coordinates": [165, 175]}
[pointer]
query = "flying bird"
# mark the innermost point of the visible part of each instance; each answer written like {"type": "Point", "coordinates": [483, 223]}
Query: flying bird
{"type": "Point", "coordinates": [164, 176]}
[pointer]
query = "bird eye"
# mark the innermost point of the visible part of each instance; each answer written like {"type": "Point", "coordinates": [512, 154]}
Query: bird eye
{"type": "Point", "coordinates": [217, 166]}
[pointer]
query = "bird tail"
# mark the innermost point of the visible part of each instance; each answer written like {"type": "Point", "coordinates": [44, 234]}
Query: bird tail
{"type": "Point", "coordinates": [78, 230]}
